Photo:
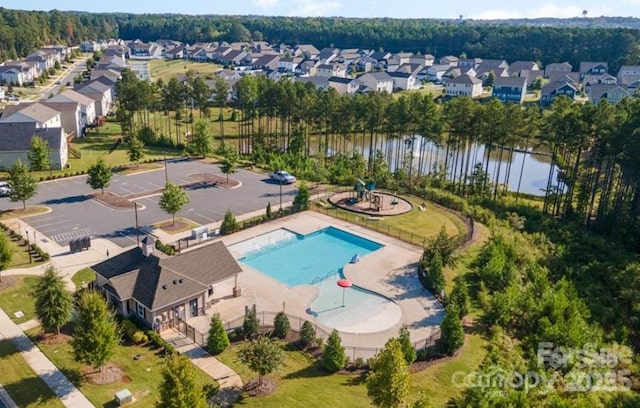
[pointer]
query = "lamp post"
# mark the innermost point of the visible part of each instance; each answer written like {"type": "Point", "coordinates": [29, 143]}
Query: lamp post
{"type": "Point", "coordinates": [166, 174]}
{"type": "Point", "coordinates": [280, 195]}
{"type": "Point", "coordinates": [135, 206]}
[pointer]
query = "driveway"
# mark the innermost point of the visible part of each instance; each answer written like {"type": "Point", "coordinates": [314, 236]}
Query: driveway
{"type": "Point", "coordinates": [74, 215]}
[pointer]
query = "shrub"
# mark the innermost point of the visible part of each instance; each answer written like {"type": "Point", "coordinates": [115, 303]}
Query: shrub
{"type": "Point", "coordinates": [218, 339]}
{"type": "Point", "coordinates": [229, 224]}
{"type": "Point", "coordinates": [251, 325]}
{"type": "Point", "coordinates": [269, 212]}
{"type": "Point", "coordinates": [307, 334]}
{"type": "Point", "coordinates": [139, 337]}
{"type": "Point", "coordinates": [281, 325]}
{"type": "Point", "coordinates": [408, 350]}
{"type": "Point", "coordinates": [333, 356]}
{"type": "Point", "coordinates": [358, 363]}
{"type": "Point", "coordinates": [452, 337]}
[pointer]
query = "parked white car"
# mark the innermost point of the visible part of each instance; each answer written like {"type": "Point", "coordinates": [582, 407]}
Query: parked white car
{"type": "Point", "coordinates": [5, 189]}
{"type": "Point", "coordinates": [282, 176]}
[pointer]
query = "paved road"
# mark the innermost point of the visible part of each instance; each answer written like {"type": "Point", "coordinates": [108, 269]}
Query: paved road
{"type": "Point", "coordinates": [74, 215]}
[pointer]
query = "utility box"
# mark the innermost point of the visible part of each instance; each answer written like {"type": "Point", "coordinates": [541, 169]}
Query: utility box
{"type": "Point", "coordinates": [123, 397]}
{"type": "Point", "coordinates": [199, 232]}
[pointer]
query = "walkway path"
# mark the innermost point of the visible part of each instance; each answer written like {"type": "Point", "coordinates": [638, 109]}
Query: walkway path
{"type": "Point", "coordinates": [230, 382]}
{"type": "Point", "coordinates": [69, 395]}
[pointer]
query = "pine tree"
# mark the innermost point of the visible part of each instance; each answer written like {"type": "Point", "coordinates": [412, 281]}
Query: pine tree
{"type": "Point", "coordinates": [229, 224]}
{"type": "Point", "coordinates": [307, 334]}
{"type": "Point", "coordinates": [23, 185]}
{"type": "Point", "coordinates": [250, 325]}
{"type": "Point", "coordinates": [218, 339]}
{"type": "Point", "coordinates": [451, 331]}
{"type": "Point", "coordinates": [173, 199]}
{"type": "Point", "coordinates": [333, 356]}
{"type": "Point", "coordinates": [200, 143]}
{"type": "Point", "coordinates": [99, 175]}
{"type": "Point", "coordinates": [407, 348]}
{"type": "Point", "coordinates": [179, 387]}
{"type": "Point", "coordinates": [135, 151]}
{"type": "Point", "coordinates": [460, 296]}
{"type": "Point", "coordinates": [388, 381]}
{"type": "Point", "coordinates": [53, 303]}
{"type": "Point", "coordinates": [96, 334]}
{"type": "Point", "coordinates": [301, 201]}
{"type": "Point", "coordinates": [269, 211]}
{"type": "Point", "coordinates": [281, 325]}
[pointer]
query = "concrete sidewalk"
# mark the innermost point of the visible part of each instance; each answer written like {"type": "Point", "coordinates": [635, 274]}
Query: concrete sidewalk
{"type": "Point", "coordinates": [229, 381]}
{"type": "Point", "coordinates": [69, 395]}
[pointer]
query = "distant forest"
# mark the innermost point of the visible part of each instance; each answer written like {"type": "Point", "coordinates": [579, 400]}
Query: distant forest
{"type": "Point", "coordinates": [544, 40]}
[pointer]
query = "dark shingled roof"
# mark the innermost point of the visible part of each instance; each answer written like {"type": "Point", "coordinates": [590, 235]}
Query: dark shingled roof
{"type": "Point", "coordinates": [160, 282]}
{"type": "Point", "coordinates": [16, 137]}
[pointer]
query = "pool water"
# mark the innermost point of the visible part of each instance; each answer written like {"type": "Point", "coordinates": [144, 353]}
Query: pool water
{"type": "Point", "coordinates": [309, 259]}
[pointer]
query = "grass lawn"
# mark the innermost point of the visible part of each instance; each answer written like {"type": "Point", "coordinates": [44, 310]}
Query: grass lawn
{"type": "Point", "coordinates": [21, 382]}
{"type": "Point", "coordinates": [299, 382]}
{"type": "Point", "coordinates": [143, 376]}
{"type": "Point", "coordinates": [85, 276]}
{"type": "Point", "coordinates": [428, 88]}
{"type": "Point", "coordinates": [414, 226]}
{"type": "Point", "coordinates": [18, 297]}
{"type": "Point", "coordinates": [18, 212]}
{"type": "Point", "coordinates": [20, 257]}
{"type": "Point", "coordinates": [167, 69]}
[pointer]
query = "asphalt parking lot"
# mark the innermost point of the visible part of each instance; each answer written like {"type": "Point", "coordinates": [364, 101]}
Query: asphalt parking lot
{"type": "Point", "coordinates": [74, 215]}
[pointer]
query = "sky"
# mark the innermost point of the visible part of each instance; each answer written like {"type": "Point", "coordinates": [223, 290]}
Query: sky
{"type": "Point", "coordinates": [487, 9]}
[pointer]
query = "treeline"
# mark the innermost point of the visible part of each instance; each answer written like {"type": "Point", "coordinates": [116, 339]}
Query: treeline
{"type": "Point", "coordinates": [301, 128]}
{"type": "Point", "coordinates": [23, 31]}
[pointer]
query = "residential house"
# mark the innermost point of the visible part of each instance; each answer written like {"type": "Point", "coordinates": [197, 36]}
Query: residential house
{"type": "Point", "coordinates": [344, 86]}
{"type": "Point", "coordinates": [382, 57]}
{"type": "Point", "coordinates": [11, 75]}
{"type": "Point", "coordinates": [611, 92]}
{"type": "Point", "coordinates": [331, 70]}
{"type": "Point", "coordinates": [486, 74]}
{"type": "Point", "coordinates": [451, 73]}
{"type": "Point", "coordinates": [15, 143]}
{"type": "Point", "coordinates": [449, 60]}
{"type": "Point", "coordinates": [572, 77]}
{"type": "Point", "coordinates": [112, 74]}
{"type": "Point", "coordinates": [554, 89]}
{"type": "Point", "coordinates": [151, 50]}
{"type": "Point", "coordinates": [236, 57]}
{"type": "Point", "coordinates": [516, 67]}
{"type": "Point", "coordinates": [307, 68]}
{"type": "Point", "coordinates": [160, 290]}
{"type": "Point", "coordinates": [86, 104]}
{"type": "Point", "coordinates": [412, 69]}
{"type": "Point", "coordinates": [328, 54]}
{"type": "Point", "coordinates": [289, 64]}
{"type": "Point", "coordinates": [228, 75]}
{"type": "Point", "coordinates": [376, 81]}
{"type": "Point", "coordinates": [306, 50]}
{"type": "Point", "coordinates": [563, 67]}
{"type": "Point", "coordinates": [113, 62]}
{"type": "Point", "coordinates": [510, 89]}
{"type": "Point", "coordinates": [464, 85]}
{"type": "Point", "coordinates": [316, 81]}
{"type": "Point", "coordinates": [436, 72]}
{"type": "Point", "coordinates": [115, 51]}
{"type": "Point", "coordinates": [469, 62]}
{"type": "Point", "coordinates": [592, 68]}
{"type": "Point", "coordinates": [267, 61]}
{"type": "Point", "coordinates": [100, 93]}
{"type": "Point", "coordinates": [37, 113]}
{"type": "Point", "coordinates": [608, 79]}
{"type": "Point", "coordinates": [400, 58]}
{"type": "Point", "coordinates": [366, 64]}
{"type": "Point", "coordinates": [216, 54]}
{"type": "Point", "coordinates": [531, 76]}
{"type": "Point", "coordinates": [420, 59]}
{"type": "Point", "coordinates": [498, 67]}
{"type": "Point", "coordinates": [30, 71]}
{"type": "Point", "coordinates": [628, 74]}
{"type": "Point", "coordinates": [89, 46]}
{"type": "Point", "coordinates": [70, 116]}
{"type": "Point", "coordinates": [175, 52]}
{"type": "Point", "coordinates": [404, 81]}
{"type": "Point", "coordinates": [45, 61]}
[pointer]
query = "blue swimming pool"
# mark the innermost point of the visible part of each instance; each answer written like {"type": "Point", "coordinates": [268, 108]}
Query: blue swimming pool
{"type": "Point", "coordinates": [309, 259]}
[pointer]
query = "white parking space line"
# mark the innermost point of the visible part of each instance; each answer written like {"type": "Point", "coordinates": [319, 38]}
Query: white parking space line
{"type": "Point", "coordinates": [204, 216]}
{"type": "Point", "coordinates": [66, 236]}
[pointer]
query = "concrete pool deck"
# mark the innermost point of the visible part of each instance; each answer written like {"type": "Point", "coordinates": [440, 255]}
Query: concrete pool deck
{"type": "Point", "coordinates": [391, 271]}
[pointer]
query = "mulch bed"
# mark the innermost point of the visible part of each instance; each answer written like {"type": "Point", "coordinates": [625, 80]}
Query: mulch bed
{"type": "Point", "coordinates": [170, 227]}
{"type": "Point", "coordinates": [108, 374]}
{"type": "Point", "coordinates": [254, 389]}
{"type": "Point", "coordinates": [8, 282]}
{"type": "Point", "coordinates": [53, 339]}
{"type": "Point", "coordinates": [125, 202]}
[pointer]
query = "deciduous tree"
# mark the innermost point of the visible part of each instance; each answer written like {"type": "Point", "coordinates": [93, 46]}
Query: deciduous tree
{"type": "Point", "coordinates": [173, 199]}
{"type": "Point", "coordinates": [262, 355]}
{"type": "Point", "coordinates": [23, 185]}
{"type": "Point", "coordinates": [5, 254]}
{"type": "Point", "coordinates": [39, 159]}
{"type": "Point", "coordinates": [388, 381]}
{"type": "Point", "coordinates": [99, 175]}
{"type": "Point", "coordinates": [135, 151]}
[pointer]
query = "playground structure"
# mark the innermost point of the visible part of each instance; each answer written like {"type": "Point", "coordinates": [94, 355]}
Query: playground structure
{"type": "Point", "coordinates": [364, 198]}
